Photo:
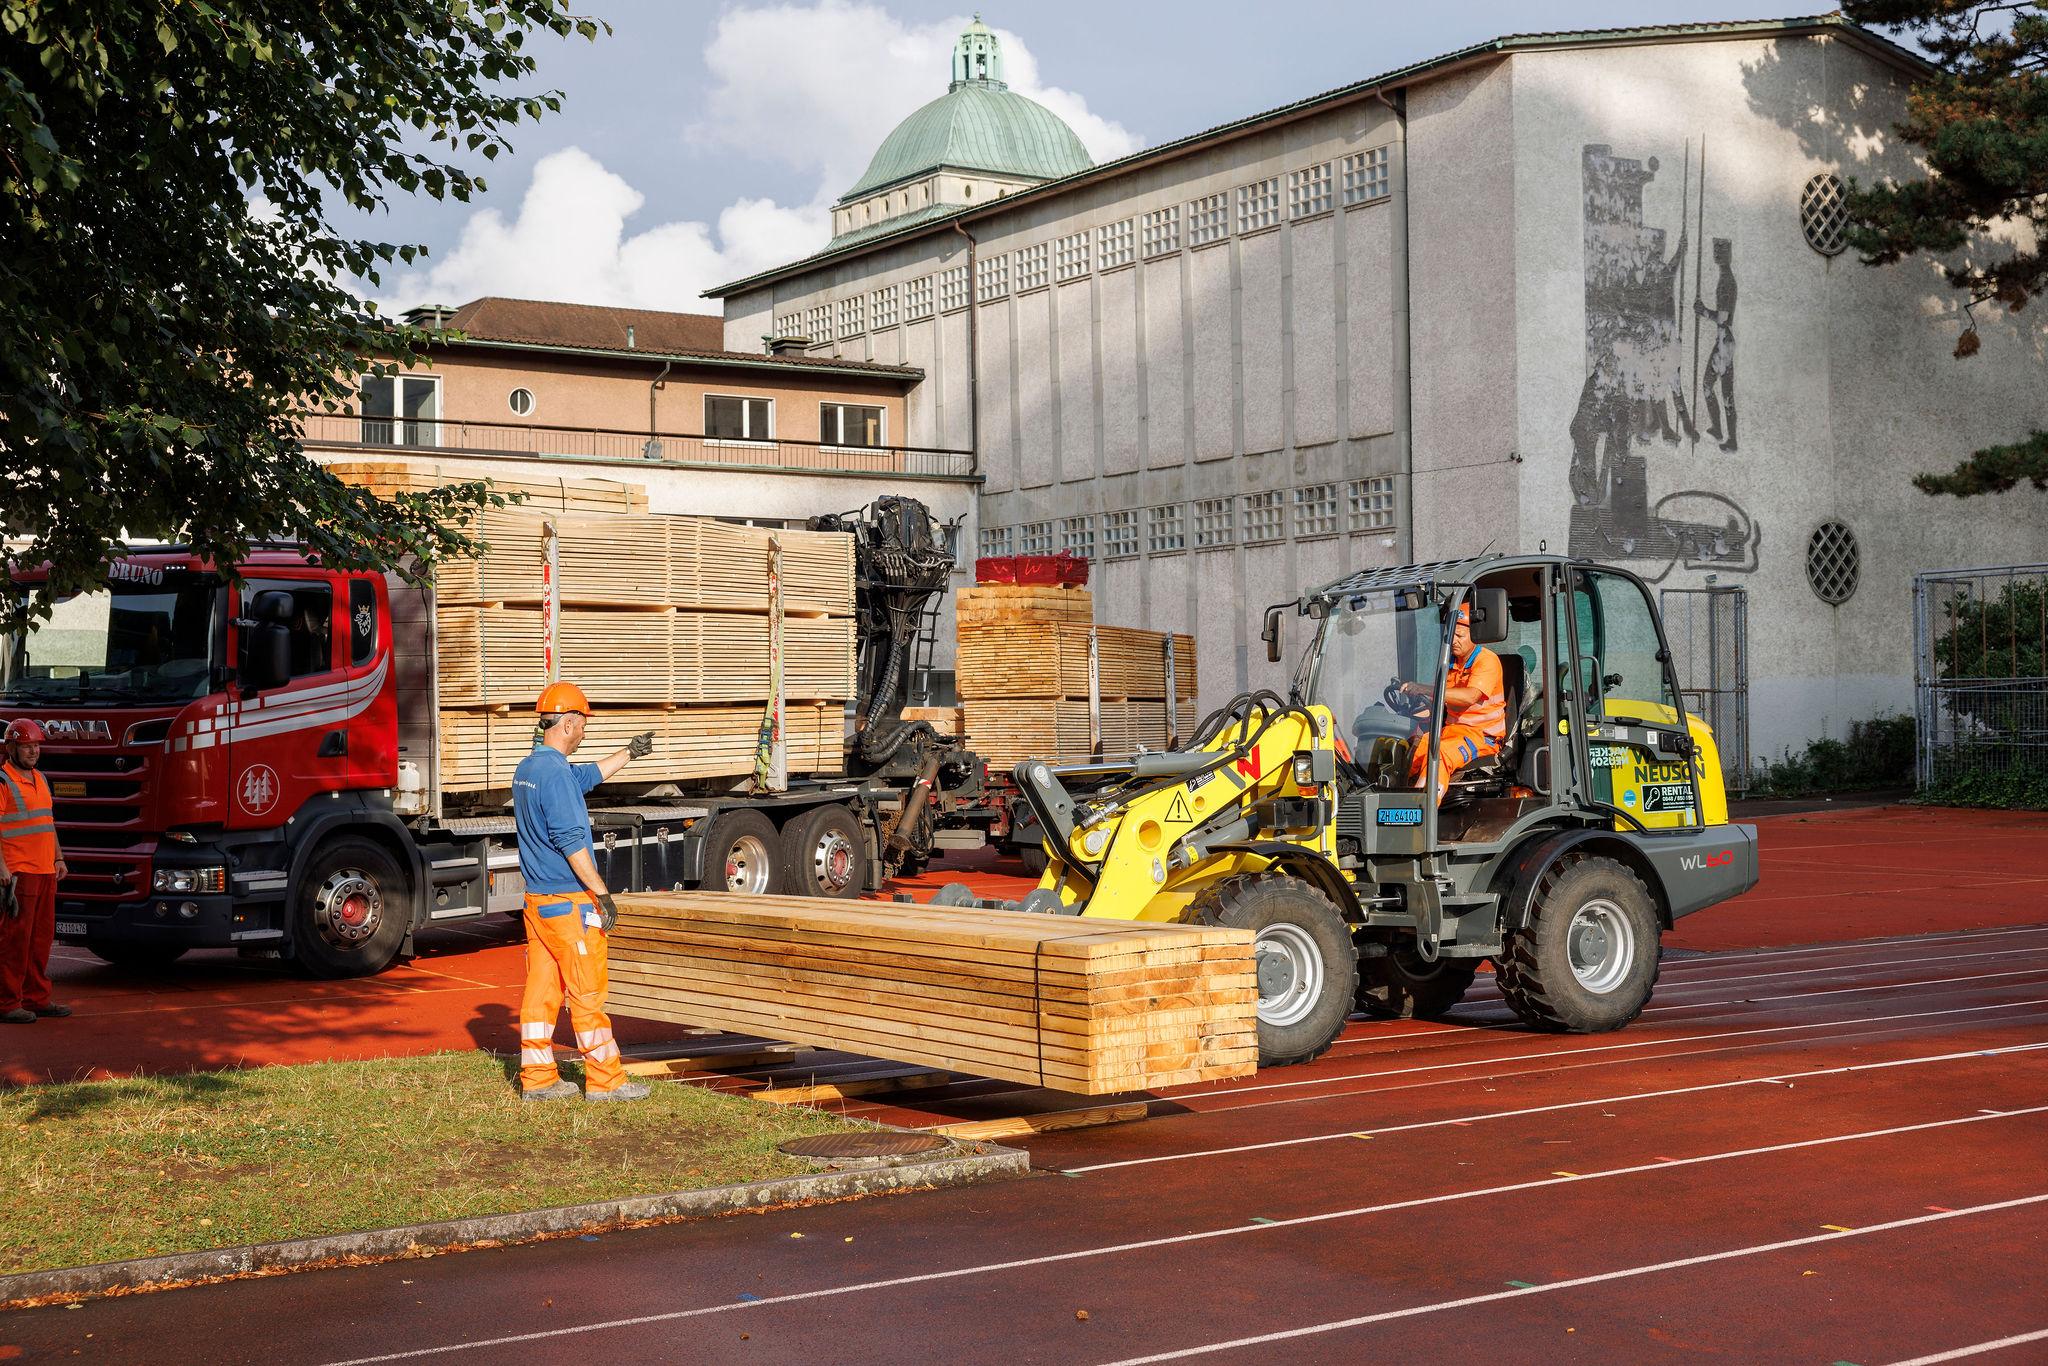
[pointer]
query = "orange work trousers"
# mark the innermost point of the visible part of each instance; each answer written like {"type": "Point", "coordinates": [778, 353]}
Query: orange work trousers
{"type": "Point", "coordinates": [565, 957]}
{"type": "Point", "coordinates": [1462, 745]}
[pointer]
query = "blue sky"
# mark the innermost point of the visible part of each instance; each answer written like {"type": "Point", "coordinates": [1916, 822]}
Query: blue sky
{"type": "Point", "coordinates": [703, 141]}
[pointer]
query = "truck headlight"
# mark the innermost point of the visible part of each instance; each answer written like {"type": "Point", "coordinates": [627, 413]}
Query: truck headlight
{"type": "Point", "coordinates": [212, 878]}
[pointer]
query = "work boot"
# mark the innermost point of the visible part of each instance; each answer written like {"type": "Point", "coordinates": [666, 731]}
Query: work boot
{"type": "Point", "coordinates": [52, 1011]}
{"type": "Point", "coordinates": [630, 1090]}
{"type": "Point", "coordinates": [560, 1090]}
{"type": "Point", "coordinates": [18, 1015]}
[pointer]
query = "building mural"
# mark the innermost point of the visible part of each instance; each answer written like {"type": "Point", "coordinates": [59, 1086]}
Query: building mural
{"type": "Point", "coordinates": [1653, 342]}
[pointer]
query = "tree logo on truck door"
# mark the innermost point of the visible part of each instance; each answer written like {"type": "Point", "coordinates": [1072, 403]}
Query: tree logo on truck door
{"type": "Point", "coordinates": [257, 791]}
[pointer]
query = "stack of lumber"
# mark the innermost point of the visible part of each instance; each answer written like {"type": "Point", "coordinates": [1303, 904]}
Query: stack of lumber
{"type": "Point", "coordinates": [665, 623]}
{"type": "Point", "coordinates": [1089, 1006]}
{"type": "Point", "coordinates": [1026, 687]}
{"type": "Point", "coordinates": [540, 492]}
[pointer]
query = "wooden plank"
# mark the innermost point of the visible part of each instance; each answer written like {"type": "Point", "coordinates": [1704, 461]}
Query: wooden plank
{"type": "Point", "coordinates": [700, 1062]}
{"type": "Point", "coordinates": [922, 1079]}
{"type": "Point", "coordinates": [1051, 1121]}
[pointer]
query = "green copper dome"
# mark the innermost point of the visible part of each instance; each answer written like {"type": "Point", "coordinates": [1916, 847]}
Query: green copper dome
{"type": "Point", "coordinates": [980, 124]}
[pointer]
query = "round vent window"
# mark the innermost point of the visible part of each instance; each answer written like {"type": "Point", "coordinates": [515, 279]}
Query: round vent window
{"type": "Point", "coordinates": [1833, 563]}
{"type": "Point", "coordinates": [522, 402]}
{"type": "Point", "coordinates": [1824, 213]}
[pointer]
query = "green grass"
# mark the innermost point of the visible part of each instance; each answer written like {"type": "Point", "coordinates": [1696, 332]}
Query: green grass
{"type": "Point", "coordinates": [100, 1171]}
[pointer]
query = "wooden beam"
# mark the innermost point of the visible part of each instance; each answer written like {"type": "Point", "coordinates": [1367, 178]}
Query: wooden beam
{"type": "Point", "coordinates": [703, 1062]}
{"type": "Point", "coordinates": [847, 1090]}
{"type": "Point", "coordinates": [1023, 1126]}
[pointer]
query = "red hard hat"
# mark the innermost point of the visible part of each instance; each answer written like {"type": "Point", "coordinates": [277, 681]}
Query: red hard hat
{"type": "Point", "coordinates": [22, 731]}
{"type": "Point", "coordinates": [562, 697]}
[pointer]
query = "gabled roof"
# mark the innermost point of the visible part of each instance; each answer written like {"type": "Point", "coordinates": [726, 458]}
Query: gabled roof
{"type": "Point", "coordinates": [1399, 77]}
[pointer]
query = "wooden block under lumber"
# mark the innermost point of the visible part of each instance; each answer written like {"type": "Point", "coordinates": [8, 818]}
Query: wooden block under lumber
{"type": "Point", "coordinates": [1050, 1121]}
{"type": "Point", "coordinates": [944, 720]}
{"type": "Point", "coordinates": [848, 1090]}
{"type": "Point", "coordinates": [704, 1062]}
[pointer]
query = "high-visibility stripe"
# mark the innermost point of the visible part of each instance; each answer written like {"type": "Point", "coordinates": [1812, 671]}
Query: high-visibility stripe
{"type": "Point", "coordinates": [535, 1031]}
{"type": "Point", "coordinates": [27, 825]}
{"type": "Point", "coordinates": [537, 1056]}
{"type": "Point", "coordinates": [602, 1053]}
{"type": "Point", "coordinates": [589, 1039]}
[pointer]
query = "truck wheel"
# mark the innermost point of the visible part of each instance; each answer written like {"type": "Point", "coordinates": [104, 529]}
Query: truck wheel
{"type": "Point", "coordinates": [743, 853]}
{"type": "Point", "coordinates": [1588, 958]}
{"type": "Point", "coordinates": [353, 910]}
{"type": "Point", "coordinates": [1401, 986]}
{"type": "Point", "coordinates": [825, 854]}
{"type": "Point", "coordinates": [1307, 964]}
{"type": "Point", "coordinates": [126, 955]}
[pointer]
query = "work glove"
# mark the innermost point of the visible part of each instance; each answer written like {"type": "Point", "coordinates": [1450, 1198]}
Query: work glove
{"type": "Point", "coordinates": [607, 912]}
{"type": "Point", "coordinates": [641, 745]}
{"type": "Point", "coordinates": [10, 907]}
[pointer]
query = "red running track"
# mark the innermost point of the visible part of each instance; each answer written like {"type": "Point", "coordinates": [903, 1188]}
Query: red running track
{"type": "Point", "coordinates": [1823, 1153]}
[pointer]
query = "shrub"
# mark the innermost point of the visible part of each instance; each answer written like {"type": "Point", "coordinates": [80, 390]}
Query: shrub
{"type": "Point", "coordinates": [1878, 754]}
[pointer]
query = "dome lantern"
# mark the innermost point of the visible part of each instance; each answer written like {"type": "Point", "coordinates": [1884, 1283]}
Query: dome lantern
{"type": "Point", "coordinates": [978, 56]}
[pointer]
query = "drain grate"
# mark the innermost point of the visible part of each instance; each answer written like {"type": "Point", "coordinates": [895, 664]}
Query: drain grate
{"type": "Point", "coordinates": [863, 1147]}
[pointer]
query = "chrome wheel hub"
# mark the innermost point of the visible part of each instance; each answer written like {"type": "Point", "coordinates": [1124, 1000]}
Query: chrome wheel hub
{"type": "Point", "coordinates": [746, 865]}
{"type": "Point", "coordinates": [832, 862]}
{"type": "Point", "coordinates": [348, 908]}
{"type": "Point", "coordinates": [1601, 942]}
{"type": "Point", "coordinates": [1290, 971]}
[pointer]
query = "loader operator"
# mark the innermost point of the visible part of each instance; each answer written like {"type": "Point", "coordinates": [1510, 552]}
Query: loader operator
{"type": "Point", "coordinates": [1475, 709]}
{"type": "Point", "coordinates": [569, 910]}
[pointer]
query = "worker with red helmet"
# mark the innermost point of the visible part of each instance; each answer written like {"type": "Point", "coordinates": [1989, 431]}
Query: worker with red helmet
{"type": "Point", "coordinates": [30, 865]}
{"type": "Point", "coordinates": [569, 910]}
{"type": "Point", "coordinates": [1475, 709]}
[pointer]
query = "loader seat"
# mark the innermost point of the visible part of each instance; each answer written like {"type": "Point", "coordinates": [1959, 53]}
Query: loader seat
{"type": "Point", "coordinates": [1490, 775]}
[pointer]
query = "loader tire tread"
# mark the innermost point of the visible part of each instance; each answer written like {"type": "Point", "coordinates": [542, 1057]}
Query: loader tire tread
{"type": "Point", "coordinates": [1228, 905]}
{"type": "Point", "coordinates": [1530, 986]}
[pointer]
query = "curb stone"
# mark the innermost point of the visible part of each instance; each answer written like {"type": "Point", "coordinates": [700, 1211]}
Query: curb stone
{"type": "Point", "coordinates": [981, 1162]}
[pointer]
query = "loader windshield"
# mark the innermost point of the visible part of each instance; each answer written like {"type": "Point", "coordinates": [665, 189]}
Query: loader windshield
{"type": "Point", "coordinates": [1369, 645]}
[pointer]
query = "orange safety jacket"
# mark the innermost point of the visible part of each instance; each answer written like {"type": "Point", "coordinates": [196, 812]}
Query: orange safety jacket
{"type": "Point", "coordinates": [28, 827]}
{"type": "Point", "coordinates": [1489, 715]}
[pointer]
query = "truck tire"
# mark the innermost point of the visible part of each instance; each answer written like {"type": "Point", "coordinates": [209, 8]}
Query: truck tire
{"type": "Point", "coordinates": [1401, 986]}
{"type": "Point", "coordinates": [825, 853]}
{"type": "Point", "coordinates": [129, 955]}
{"type": "Point", "coordinates": [743, 853]}
{"type": "Point", "coordinates": [351, 911]}
{"type": "Point", "coordinates": [1307, 964]}
{"type": "Point", "coordinates": [1588, 958]}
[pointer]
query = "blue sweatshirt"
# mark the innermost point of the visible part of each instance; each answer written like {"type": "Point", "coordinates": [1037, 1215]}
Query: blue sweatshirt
{"type": "Point", "coordinates": [547, 805]}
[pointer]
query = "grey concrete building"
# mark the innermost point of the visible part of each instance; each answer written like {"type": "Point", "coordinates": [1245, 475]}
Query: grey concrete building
{"type": "Point", "coordinates": [1493, 299]}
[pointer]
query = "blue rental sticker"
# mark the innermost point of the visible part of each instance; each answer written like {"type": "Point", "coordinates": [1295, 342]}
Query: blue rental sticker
{"type": "Point", "coordinates": [1628, 799]}
{"type": "Point", "coordinates": [1400, 815]}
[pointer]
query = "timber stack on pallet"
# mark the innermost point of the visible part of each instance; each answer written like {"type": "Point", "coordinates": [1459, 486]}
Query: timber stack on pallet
{"type": "Point", "coordinates": [665, 623]}
{"type": "Point", "coordinates": [1028, 691]}
{"type": "Point", "coordinates": [542, 493]}
{"type": "Point", "coordinates": [1089, 1006]}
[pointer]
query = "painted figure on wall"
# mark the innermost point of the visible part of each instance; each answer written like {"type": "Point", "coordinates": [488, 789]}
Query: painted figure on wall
{"type": "Point", "coordinates": [1642, 380]}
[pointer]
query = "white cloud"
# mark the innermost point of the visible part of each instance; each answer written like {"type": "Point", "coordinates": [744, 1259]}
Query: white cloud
{"type": "Point", "coordinates": [814, 87]}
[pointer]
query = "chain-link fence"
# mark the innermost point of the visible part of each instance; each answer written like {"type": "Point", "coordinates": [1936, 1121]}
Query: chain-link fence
{"type": "Point", "coordinates": [1981, 671]}
{"type": "Point", "coordinates": [1708, 629]}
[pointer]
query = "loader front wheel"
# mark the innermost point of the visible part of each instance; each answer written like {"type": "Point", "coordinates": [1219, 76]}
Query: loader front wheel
{"type": "Point", "coordinates": [1307, 965]}
{"type": "Point", "coordinates": [1588, 958]}
{"type": "Point", "coordinates": [1400, 986]}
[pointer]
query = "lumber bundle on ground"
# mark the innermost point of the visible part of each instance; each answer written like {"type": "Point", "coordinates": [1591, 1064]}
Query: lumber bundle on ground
{"type": "Point", "coordinates": [542, 493]}
{"type": "Point", "coordinates": [480, 748]}
{"type": "Point", "coordinates": [1007, 731]}
{"type": "Point", "coordinates": [1050, 659]}
{"type": "Point", "coordinates": [1089, 1006]}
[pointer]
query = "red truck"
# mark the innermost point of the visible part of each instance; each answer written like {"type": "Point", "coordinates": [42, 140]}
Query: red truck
{"type": "Point", "coordinates": [256, 766]}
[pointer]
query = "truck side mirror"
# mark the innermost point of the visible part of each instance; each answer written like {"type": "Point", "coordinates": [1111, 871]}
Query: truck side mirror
{"type": "Point", "coordinates": [1489, 615]}
{"type": "Point", "coordinates": [265, 659]}
{"type": "Point", "coordinates": [1271, 635]}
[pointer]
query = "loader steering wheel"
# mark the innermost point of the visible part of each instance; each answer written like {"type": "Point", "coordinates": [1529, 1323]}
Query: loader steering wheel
{"type": "Point", "coordinates": [1404, 703]}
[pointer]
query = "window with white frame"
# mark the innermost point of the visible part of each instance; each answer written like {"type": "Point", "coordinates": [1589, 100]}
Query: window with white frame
{"type": "Point", "coordinates": [1315, 510]}
{"type": "Point", "coordinates": [997, 540]}
{"type": "Point", "coordinates": [1365, 176]}
{"type": "Point", "coordinates": [789, 324]}
{"type": "Point", "coordinates": [1160, 231]}
{"type": "Point", "coordinates": [1070, 257]}
{"type": "Point", "coordinates": [1119, 534]}
{"type": "Point", "coordinates": [1208, 219]}
{"type": "Point", "coordinates": [1116, 244]}
{"type": "Point", "coordinates": [1215, 522]}
{"type": "Point", "coordinates": [521, 402]}
{"type": "Point", "coordinates": [1265, 516]}
{"type": "Point", "coordinates": [399, 410]}
{"type": "Point", "coordinates": [885, 306]}
{"type": "Point", "coordinates": [1165, 529]}
{"type": "Point", "coordinates": [992, 277]}
{"type": "Point", "coordinates": [818, 323]}
{"type": "Point", "coordinates": [851, 322]}
{"type": "Point", "coordinates": [1309, 191]}
{"type": "Point", "coordinates": [952, 289]}
{"type": "Point", "coordinates": [917, 299]}
{"type": "Point", "coordinates": [1258, 204]}
{"type": "Point", "coordinates": [1371, 503]}
{"type": "Point", "coordinates": [1034, 266]}
{"type": "Point", "coordinates": [731, 418]}
{"type": "Point", "coordinates": [1034, 538]}
{"type": "Point", "coordinates": [1077, 536]}
{"type": "Point", "coordinates": [851, 424]}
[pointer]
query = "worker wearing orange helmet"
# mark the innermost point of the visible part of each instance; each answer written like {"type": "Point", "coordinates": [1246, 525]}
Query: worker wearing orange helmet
{"type": "Point", "coordinates": [30, 865]}
{"type": "Point", "coordinates": [1475, 709]}
{"type": "Point", "coordinates": [569, 910]}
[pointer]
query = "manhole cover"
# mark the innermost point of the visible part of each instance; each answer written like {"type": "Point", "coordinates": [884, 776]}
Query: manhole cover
{"type": "Point", "coordinates": [863, 1147]}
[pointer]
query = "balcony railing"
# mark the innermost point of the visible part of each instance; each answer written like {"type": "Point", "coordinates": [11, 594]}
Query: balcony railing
{"type": "Point", "coordinates": [430, 436]}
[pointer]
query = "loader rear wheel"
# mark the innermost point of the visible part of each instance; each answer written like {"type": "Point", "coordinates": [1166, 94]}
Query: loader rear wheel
{"type": "Point", "coordinates": [1401, 986]}
{"type": "Point", "coordinates": [1307, 964]}
{"type": "Point", "coordinates": [1588, 958]}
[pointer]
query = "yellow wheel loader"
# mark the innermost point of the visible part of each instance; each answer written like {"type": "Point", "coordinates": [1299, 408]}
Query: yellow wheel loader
{"type": "Point", "coordinates": [1562, 857]}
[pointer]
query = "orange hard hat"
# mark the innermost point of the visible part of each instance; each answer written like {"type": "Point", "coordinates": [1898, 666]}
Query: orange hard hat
{"type": "Point", "coordinates": [22, 731]}
{"type": "Point", "coordinates": [1465, 613]}
{"type": "Point", "coordinates": [562, 697]}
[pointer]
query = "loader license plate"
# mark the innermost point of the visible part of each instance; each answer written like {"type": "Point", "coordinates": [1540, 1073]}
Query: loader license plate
{"type": "Point", "coordinates": [1400, 815]}
{"type": "Point", "coordinates": [71, 927]}
{"type": "Point", "coordinates": [1668, 797]}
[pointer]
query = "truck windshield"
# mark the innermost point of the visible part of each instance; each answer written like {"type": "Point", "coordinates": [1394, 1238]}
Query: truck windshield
{"type": "Point", "coordinates": [128, 642]}
{"type": "Point", "coordinates": [1370, 646]}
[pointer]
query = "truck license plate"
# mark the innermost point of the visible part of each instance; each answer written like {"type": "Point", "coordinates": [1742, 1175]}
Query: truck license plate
{"type": "Point", "coordinates": [63, 788]}
{"type": "Point", "coordinates": [71, 927]}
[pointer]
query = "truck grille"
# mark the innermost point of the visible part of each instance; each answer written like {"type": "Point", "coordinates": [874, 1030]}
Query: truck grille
{"type": "Point", "coordinates": [97, 797]}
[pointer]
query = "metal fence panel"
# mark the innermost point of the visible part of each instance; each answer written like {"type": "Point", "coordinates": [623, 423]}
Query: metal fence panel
{"type": "Point", "coordinates": [1980, 640]}
{"type": "Point", "coordinates": [1709, 633]}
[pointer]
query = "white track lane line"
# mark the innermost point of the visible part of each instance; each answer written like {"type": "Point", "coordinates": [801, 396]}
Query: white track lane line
{"type": "Point", "coordinates": [1977, 1349]}
{"type": "Point", "coordinates": [1696, 982]}
{"type": "Point", "coordinates": [1847, 991]}
{"type": "Point", "coordinates": [1851, 945]}
{"type": "Point", "coordinates": [1205, 1235]}
{"type": "Point", "coordinates": [1576, 1282]}
{"type": "Point", "coordinates": [1780, 1079]}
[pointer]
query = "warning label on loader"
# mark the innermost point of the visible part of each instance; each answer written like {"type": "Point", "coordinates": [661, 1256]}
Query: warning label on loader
{"type": "Point", "coordinates": [1178, 811]}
